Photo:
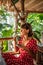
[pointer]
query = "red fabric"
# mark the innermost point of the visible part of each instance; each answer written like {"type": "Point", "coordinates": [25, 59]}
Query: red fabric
{"type": "Point", "coordinates": [24, 58]}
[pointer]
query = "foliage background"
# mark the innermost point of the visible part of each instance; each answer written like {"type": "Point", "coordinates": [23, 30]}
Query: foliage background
{"type": "Point", "coordinates": [6, 30]}
{"type": "Point", "coordinates": [36, 20]}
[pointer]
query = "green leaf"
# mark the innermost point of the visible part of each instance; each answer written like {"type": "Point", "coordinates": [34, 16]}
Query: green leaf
{"type": "Point", "coordinates": [41, 16]}
{"type": "Point", "coordinates": [7, 33]}
{"type": "Point", "coordinates": [3, 14]}
{"type": "Point", "coordinates": [36, 20]}
{"type": "Point", "coordinates": [7, 25]}
{"type": "Point", "coordinates": [1, 26]}
{"type": "Point", "coordinates": [5, 46]}
{"type": "Point", "coordinates": [35, 35]}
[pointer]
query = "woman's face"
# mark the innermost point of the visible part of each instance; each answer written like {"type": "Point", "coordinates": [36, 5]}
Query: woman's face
{"type": "Point", "coordinates": [24, 32]}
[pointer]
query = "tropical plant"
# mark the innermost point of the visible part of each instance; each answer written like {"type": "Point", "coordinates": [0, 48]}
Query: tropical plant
{"type": "Point", "coordinates": [6, 30]}
{"type": "Point", "coordinates": [3, 13]}
{"type": "Point", "coordinates": [36, 20]}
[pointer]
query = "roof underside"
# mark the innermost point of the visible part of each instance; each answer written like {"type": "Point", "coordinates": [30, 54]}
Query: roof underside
{"type": "Point", "coordinates": [30, 5]}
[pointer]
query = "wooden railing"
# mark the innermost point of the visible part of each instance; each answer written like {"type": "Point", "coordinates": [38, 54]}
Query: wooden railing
{"type": "Point", "coordinates": [4, 39]}
{"type": "Point", "coordinates": [8, 38]}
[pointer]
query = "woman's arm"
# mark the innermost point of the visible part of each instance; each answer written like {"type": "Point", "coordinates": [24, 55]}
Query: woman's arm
{"type": "Point", "coordinates": [31, 48]}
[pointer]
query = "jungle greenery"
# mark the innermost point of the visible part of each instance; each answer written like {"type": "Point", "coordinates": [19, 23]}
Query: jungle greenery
{"type": "Point", "coordinates": [36, 20]}
{"type": "Point", "coordinates": [6, 30]}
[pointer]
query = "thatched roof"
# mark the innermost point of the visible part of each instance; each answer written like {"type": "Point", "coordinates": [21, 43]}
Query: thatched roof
{"type": "Point", "coordinates": [30, 5]}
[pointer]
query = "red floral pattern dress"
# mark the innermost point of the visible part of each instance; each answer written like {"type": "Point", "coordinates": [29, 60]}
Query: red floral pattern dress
{"type": "Point", "coordinates": [24, 58]}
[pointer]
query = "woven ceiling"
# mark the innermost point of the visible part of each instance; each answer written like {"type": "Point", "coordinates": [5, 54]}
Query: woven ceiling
{"type": "Point", "coordinates": [30, 5]}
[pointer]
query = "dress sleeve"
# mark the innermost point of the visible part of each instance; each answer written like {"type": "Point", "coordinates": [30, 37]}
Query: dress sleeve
{"type": "Point", "coordinates": [33, 46]}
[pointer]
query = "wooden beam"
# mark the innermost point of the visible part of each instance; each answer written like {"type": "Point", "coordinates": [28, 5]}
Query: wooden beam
{"type": "Point", "coordinates": [36, 5]}
{"type": "Point", "coordinates": [29, 3]}
{"type": "Point", "coordinates": [40, 7]}
{"type": "Point", "coordinates": [30, 11]}
{"type": "Point", "coordinates": [9, 38]}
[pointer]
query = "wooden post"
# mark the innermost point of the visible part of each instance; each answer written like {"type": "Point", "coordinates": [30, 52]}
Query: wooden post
{"type": "Point", "coordinates": [22, 12]}
{"type": "Point", "coordinates": [22, 6]}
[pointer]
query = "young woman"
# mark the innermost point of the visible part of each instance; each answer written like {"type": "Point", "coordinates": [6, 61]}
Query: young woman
{"type": "Point", "coordinates": [28, 48]}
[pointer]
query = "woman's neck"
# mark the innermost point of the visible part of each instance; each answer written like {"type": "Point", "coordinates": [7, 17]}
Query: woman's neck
{"type": "Point", "coordinates": [26, 37]}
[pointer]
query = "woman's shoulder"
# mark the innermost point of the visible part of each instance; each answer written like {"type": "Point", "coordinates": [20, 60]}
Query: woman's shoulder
{"type": "Point", "coordinates": [32, 41]}
{"type": "Point", "coordinates": [32, 44]}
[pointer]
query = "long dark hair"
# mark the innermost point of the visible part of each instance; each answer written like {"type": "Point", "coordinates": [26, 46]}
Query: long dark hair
{"type": "Point", "coordinates": [27, 26]}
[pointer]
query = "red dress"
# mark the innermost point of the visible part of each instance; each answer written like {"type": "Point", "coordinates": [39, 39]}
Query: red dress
{"type": "Point", "coordinates": [24, 58]}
